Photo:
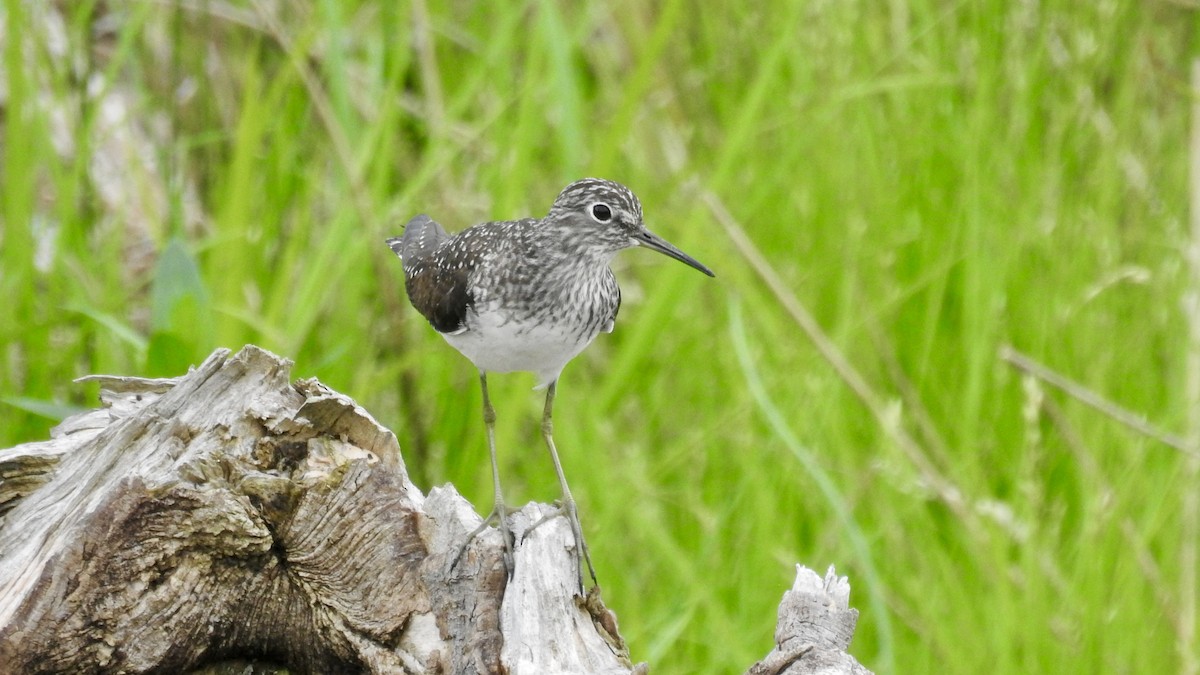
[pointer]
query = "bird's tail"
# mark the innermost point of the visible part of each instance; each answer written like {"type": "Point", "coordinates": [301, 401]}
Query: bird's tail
{"type": "Point", "coordinates": [422, 236]}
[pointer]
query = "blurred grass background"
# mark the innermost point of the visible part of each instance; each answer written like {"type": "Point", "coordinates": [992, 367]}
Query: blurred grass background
{"type": "Point", "coordinates": [930, 180]}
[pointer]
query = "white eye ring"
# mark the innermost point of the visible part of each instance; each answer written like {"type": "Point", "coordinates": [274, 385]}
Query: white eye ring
{"type": "Point", "coordinates": [601, 212]}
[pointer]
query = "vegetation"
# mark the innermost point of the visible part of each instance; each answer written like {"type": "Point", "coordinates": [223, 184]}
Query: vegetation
{"type": "Point", "coordinates": [931, 181]}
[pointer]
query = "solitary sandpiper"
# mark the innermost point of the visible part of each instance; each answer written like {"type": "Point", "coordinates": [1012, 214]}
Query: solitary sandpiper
{"type": "Point", "coordinates": [528, 295]}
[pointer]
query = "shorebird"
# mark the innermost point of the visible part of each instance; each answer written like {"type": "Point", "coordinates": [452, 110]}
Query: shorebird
{"type": "Point", "coordinates": [528, 295]}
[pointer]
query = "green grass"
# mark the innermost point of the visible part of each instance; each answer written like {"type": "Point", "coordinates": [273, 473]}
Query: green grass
{"type": "Point", "coordinates": [932, 180]}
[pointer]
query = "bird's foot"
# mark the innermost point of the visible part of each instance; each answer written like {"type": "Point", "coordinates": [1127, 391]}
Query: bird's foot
{"type": "Point", "coordinates": [499, 518]}
{"type": "Point", "coordinates": [567, 510]}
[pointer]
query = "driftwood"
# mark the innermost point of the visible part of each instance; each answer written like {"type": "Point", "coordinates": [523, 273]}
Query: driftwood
{"type": "Point", "coordinates": [233, 521]}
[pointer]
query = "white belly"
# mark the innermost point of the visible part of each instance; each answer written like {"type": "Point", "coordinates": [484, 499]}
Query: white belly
{"type": "Point", "coordinates": [494, 345]}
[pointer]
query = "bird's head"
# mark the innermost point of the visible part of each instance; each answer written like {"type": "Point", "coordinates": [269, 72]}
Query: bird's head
{"type": "Point", "coordinates": [604, 217]}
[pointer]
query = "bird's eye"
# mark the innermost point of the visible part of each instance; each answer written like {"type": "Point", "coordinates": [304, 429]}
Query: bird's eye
{"type": "Point", "coordinates": [602, 213]}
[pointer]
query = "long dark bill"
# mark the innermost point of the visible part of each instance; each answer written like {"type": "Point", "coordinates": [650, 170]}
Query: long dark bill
{"type": "Point", "coordinates": [656, 243]}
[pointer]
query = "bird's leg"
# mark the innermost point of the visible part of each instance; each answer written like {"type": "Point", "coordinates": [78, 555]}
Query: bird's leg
{"type": "Point", "coordinates": [567, 507]}
{"type": "Point", "coordinates": [499, 512]}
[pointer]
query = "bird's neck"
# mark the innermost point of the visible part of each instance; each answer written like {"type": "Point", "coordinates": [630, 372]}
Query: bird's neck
{"type": "Point", "coordinates": [585, 262]}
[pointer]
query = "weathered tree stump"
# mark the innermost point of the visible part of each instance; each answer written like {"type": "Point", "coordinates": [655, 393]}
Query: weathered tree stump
{"type": "Point", "coordinates": [230, 519]}
{"type": "Point", "coordinates": [815, 625]}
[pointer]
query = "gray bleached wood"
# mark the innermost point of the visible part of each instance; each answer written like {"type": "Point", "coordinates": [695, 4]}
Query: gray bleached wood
{"type": "Point", "coordinates": [233, 516]}
{"type": "Point", "coordinates": [814, 630]}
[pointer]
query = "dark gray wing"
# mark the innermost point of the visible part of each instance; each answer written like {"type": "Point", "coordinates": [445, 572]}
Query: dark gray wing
{"type": "Point", "coordinates": [435, 273]}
